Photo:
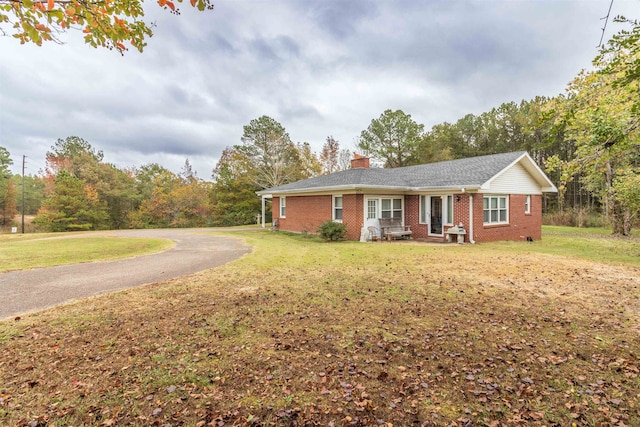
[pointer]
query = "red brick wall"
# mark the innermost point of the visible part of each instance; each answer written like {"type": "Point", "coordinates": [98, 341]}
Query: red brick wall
{"type": "Point", "coordinates": [306, 213]}
{"type": "Point", "coordinates": [461, 211]}
{"type": "Point", "coordinates": [520, 225]}
{"type": "Point", "coordinates": [412, 217]}
{"type": "Point", "coordinates": [353, 214]}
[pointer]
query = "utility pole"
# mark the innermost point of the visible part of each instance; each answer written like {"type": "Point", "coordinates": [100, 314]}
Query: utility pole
{"type": "Point", "coordinates": [23, 159]}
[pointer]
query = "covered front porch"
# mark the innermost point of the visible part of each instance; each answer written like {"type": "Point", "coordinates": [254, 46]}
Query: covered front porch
{"type": "Point", "coordinates": [432, 217]}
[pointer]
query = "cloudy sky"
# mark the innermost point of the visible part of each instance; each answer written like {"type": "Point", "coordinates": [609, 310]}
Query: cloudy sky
{"type": "Point", "coordinates": [319, 67]}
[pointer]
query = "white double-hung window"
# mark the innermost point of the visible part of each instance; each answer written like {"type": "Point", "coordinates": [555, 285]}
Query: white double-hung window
{"type": "Point", "coordinates": [496, 209]}
{"type": "Point", "coordinates": [391, 208]}
{"type": "Point", "coordinates": [337, 208]}
{"type": "Point", "coordinates": [283, 207]}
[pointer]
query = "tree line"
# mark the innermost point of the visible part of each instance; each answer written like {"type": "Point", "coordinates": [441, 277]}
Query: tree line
{"type": "Point", "coordinates": [78, 190]}
{"type": "Point", "coordinates": [587, 140]}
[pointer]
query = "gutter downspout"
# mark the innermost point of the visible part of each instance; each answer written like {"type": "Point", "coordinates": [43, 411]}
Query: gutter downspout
{"type": "Point", "coordinates": [471, 219]}
{"type": "Point", "coordinates": [263, 225]}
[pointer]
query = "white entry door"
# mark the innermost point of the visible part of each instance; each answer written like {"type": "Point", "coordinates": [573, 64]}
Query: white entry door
{"type": "Point", "coordinates": [371, 214]}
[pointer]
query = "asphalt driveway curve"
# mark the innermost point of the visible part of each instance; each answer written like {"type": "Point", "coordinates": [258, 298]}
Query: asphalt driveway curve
{"type": "Point", "coordinates": [194, 250]}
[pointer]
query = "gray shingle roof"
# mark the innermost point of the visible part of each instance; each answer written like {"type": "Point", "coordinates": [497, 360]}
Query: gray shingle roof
{"type": "Point", "coordinates": [469, 172]}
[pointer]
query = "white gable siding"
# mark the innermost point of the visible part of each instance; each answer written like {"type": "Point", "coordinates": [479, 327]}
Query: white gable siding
{"type": "Point", "coordinates": [515, 180]}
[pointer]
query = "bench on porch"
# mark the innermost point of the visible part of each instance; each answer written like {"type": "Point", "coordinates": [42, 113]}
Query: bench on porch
{"type": "Point", "coordinates": [392, 228]}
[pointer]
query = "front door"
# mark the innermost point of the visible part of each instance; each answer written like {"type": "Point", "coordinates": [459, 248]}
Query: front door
{"type": "Point", "coordinates": [371, 216]}
{"type": "Point", "coordinates": [435, 217]}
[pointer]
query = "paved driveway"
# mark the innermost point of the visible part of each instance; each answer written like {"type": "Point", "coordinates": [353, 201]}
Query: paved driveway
{"type": "Point", "coordinates": [194, 250]}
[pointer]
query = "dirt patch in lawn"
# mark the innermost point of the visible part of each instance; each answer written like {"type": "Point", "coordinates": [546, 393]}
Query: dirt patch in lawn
{"type": "Point", "coordinates": [307, 333]}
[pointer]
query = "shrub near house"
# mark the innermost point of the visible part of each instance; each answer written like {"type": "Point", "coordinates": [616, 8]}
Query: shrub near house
{"type": "Point", "coordinates": [332, 230]}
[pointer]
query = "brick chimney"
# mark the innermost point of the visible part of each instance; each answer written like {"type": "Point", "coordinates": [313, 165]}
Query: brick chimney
{"type": "Point", "coordinates": [359, 162]}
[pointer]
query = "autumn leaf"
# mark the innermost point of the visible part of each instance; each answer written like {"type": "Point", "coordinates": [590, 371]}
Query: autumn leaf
{"type": "Point", "coordinates": [50, 4]}
{"type": "Point", "coordinates": [171, 5]}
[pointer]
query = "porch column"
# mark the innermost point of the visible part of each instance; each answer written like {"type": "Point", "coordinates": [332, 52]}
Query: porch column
{"type": "Point", "coordinates": [264, 199]}
{"type": "Point", "coordinates": [471, 219]}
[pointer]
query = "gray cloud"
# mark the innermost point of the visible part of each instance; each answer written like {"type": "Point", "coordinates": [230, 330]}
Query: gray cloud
{"type": "Point", "coordinates": [322, 67]}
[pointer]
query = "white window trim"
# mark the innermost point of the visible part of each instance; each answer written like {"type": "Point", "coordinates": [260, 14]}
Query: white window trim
{"type": "Point", "coordinates": [391, 206]}
{"type": "Point", "coordinates": [446, 212]}
{"type": "Point", "coordinates": [283, 206]}
{"type": "Point", "coordinates": [333, 207]}
{"type": "Point", "coordinates": [423, 210]}
{"type": "Point", "coordinates": [527, 204]}
{"type": "Point", "coordinates": [378, 200]}
{"type": "Point", "coordinates": [506, 204]}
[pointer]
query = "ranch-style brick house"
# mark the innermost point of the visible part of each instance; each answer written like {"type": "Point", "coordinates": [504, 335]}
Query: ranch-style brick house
{"type": "Point", "coordinates": [494, 197]}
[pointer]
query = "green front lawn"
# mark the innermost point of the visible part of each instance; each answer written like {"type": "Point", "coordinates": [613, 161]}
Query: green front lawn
{"type": "Point", "coordinates": [596, 244]}
{"type": "Point", "coordinates": [19, 254]}
{"type": "Point", "coordinates": [302, 332]}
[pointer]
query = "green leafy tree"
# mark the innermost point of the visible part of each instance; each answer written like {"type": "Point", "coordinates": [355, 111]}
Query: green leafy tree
{"type": "Point", "coordinates": [620, 57]}
{"type": "Point", "coordinates": [606, 128]}
{"type": "Point", "coordinates": [154, 212]}
{"type": "Point", "coordinates": [393, 139]}
{"type": "Point", "coordinates": [115, 187]}
{"type": "Point", "coordinates": [170, 200]}
{"type": "Point", "coordinates": [190, 204]}
{"type": "Point", "coordinates": [33, 193]}
{"type": "Point", "coordinates": [68, 154]}
{"type": "Point", "coordinates": [72, 206]}
{"type": "Point", "coordinates": [152, 176]}
{"type": "Point", "coordinates": [266, 158]}
{"type": "Point", "coordinates": [5, 162]}
{"type": "Point", "coordinates": [7, 189]}
{"type": "Point", "coordinates": [233, 193]}
{"type": "Point", "coordinates": [113, 24]}
{"type": "Point", "coordinates": [308, 163]}
{"type": "Point", "coordinates": [566, 171]}
{"type": "Point", "coordinates": [627, 188]}
{"type": "Point", "coordinates": [615, 124]}
{"type": "Point", "coordinates": [8, 203]}
{"type": "Point", "coordinates": [433, 146]}
{"type": "Point", "coordinates": [273, 158]}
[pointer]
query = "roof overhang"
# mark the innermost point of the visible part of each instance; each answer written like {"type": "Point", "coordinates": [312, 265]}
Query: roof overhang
{"type": "Point", "coordinates": [369, 189]}
{"type": "Point", "coordinates": [329, 190]}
